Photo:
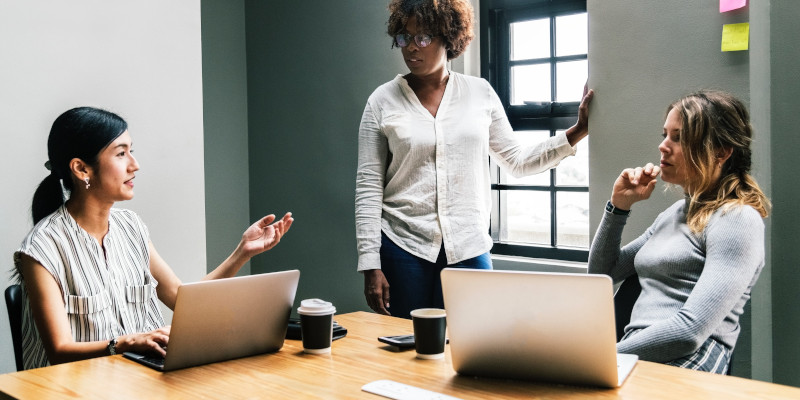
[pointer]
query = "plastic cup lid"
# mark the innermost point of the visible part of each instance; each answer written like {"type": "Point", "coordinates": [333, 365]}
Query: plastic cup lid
{"type": "Point", "coordinates": [428, 313]}
{"type": "Point", "coordinates": [316, 307]}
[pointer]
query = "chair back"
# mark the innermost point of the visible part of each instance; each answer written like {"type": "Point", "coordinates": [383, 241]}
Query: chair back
{"type": "Point", "coordinates": [626, 296]}
{"type": "Point", "coordinates": [14, 305]}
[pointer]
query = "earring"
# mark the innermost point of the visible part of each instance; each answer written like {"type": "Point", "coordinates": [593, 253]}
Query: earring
{"type": "Point", "coordinates": [87, 182]}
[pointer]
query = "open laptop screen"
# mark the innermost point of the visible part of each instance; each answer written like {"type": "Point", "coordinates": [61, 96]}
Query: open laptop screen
{"type": "Point", "coordinates": [229, 318]}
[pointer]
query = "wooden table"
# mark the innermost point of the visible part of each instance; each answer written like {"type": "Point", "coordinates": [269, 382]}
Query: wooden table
{"type": "Point", "coordinates": [355, 360]}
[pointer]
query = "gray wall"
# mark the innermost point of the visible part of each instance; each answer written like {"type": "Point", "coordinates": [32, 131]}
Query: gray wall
{"type": "Point", "coordinates": [760, 113]}
{"type": "Point", "coordinates": [311, 67]}
{"type": "Point", "coordinates": [140, 59]}
{"type": "Point", "coordinates": [782, 87]}
{"type": "Point", "coordinates": [225, 126]}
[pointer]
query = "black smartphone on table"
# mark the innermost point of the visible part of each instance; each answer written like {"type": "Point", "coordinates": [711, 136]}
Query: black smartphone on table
{"type": "Point", "coordinates": [401, 341]}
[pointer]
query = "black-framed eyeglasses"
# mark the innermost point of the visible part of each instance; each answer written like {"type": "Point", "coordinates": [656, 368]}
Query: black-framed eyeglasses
{"type": "Point", "coordinates": [421, 39]}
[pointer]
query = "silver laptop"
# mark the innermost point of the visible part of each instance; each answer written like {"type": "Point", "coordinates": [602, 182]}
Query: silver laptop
{"type": "Point", "coordinates": [227, 318]}
{"type": "Point", "coordinates": [534, 326]}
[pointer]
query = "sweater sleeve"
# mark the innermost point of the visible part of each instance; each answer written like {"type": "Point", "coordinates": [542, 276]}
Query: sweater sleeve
{"type": "Point", "coordinates": [606, 256]}
{"type": "Point", "coordinates": [373, 153]}
{"type": "Point", "coordinates": [734, 245]}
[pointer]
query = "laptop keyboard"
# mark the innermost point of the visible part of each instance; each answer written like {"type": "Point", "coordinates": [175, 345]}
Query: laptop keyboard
{"type": "Point", "coordinates": [155, 360]}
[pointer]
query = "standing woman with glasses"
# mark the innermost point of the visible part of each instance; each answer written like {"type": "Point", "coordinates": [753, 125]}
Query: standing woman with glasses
{"type": "Point", "coordinates": [423, 184]}
{"type": "Point", "coordinates": [91, 278]}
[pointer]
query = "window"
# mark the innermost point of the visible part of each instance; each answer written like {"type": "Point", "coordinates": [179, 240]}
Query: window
{"type": "Point", "coordinates": [534, 54]}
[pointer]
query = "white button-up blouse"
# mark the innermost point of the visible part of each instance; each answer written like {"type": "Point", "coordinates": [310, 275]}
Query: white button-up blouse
{"type": "Point", "coordinates": [424, 181]}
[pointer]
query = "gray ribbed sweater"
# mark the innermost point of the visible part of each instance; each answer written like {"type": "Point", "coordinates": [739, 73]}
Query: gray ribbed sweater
{"type": "Point", "coordinates": [693, 286]}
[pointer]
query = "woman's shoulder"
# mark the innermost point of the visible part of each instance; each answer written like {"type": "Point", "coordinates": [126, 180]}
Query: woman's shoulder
{"type": "Point", "coordinates": [56, 222]}
{"type": "Point", "coordinates": [388, 89]}
{"type": "Point", "coordinates": [469, 79]}
{"type": "Point", "coordinates": [470, 86]}
{"type": "Point", "coordinates": [740, 226]}
{"type": "Point", "coordinates": [46, 237]}
{"type": "Point", "coordinates": [739, 214]}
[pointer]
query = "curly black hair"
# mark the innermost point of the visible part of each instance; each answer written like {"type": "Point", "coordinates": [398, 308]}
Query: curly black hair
{"type": "Point", "coordinates": [451, 20]}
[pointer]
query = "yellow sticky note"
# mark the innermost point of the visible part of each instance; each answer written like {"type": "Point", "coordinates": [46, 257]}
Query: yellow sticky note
{"type": "Point", "coordinates": [735, 37]}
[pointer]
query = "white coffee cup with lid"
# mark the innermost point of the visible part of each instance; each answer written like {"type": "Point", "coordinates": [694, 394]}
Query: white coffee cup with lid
{"type": "Point", "coordinates": [316, 325]}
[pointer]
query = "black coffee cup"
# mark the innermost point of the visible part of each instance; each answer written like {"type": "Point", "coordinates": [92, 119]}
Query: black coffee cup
{"type": "Point", "coordinates": [430, 325]}
{"type": "Point", "coordinates": [316, 325]}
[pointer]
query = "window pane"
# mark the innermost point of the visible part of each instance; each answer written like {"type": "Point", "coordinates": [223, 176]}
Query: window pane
{"type": "Point", "coordinates": [571, 77]}
{"type": "Point", "coordinates": [540, 179]}
{"type": "Point", "coordinates": [574, 171]}
{"type": "Point", "coordinates": [530, 39]}
{"type": "Point", "coordinates": [528, 216]}
{"type": "Point", "coordinates": [531, 83]}
{"type": "Point", "coordinates": [573, 219]}
{"type": "Point", "coordinates": [571, 35]}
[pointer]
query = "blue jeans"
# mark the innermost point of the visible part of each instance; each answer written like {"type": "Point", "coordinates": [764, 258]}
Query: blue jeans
{"type": "Point", "coordinates": [414, 282]}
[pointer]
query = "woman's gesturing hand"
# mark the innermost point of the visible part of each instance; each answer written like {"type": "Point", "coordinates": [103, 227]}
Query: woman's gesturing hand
{"type": "Point", "coordinates": [634, 184]}
{"type": "Point", "coordinates": [264, 234]}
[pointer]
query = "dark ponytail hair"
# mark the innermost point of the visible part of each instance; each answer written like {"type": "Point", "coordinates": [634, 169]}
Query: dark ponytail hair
{"type": "Point", "coordinates": [78, 133]}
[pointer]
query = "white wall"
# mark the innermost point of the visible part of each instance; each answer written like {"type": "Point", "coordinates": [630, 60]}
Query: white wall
{"type": "Point", "coordinates": [141, 59]}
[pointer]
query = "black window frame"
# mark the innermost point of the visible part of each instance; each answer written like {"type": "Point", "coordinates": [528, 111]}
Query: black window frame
{"type": "Point", "coordinates": [496, 17]}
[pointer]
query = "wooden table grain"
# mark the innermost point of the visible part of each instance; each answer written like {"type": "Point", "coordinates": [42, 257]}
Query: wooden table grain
{"type": "Point", "coordinates": [354, 361]}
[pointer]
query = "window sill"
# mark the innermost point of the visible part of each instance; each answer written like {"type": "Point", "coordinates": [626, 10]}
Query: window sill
{"type": "Point", "coordinates": [516, 263]}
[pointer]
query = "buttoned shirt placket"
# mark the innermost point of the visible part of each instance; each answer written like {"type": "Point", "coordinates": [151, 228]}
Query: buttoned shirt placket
{"type": "Point", "coordinates": [442, 177]}
{"type": "Point", "coordinates": [123, 318]}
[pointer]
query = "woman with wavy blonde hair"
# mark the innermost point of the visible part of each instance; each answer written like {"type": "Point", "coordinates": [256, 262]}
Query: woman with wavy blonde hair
{"type": "Point", "coordinates": [699, 260]}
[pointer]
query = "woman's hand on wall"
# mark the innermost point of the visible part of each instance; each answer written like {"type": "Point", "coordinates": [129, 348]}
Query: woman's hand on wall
{"type": "Point", "coordinates": [581, 128]}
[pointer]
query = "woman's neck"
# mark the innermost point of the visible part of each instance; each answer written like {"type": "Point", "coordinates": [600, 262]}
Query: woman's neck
{"type": "Point", "coordinates": [433, 80]}
{"type": "Point", "coordinates": [90, 214]}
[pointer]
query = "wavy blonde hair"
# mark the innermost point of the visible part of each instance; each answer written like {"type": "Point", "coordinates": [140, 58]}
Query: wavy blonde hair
{"type": "Point", "coordinates": [711, 122]}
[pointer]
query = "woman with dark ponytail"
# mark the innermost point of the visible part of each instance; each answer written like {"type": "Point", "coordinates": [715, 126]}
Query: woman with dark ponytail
{"type": "Point", "coordinates": [699, 260]}
{"type": "Point", "coordinates": [90, 275]}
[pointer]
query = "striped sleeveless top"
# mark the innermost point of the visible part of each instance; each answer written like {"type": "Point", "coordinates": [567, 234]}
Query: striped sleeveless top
{"type": "Point", "coordinates": [105, 294]}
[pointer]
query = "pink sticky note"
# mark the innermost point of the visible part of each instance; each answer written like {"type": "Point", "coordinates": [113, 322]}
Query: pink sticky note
{"type": "Point", "coordinates": [727, 5]}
